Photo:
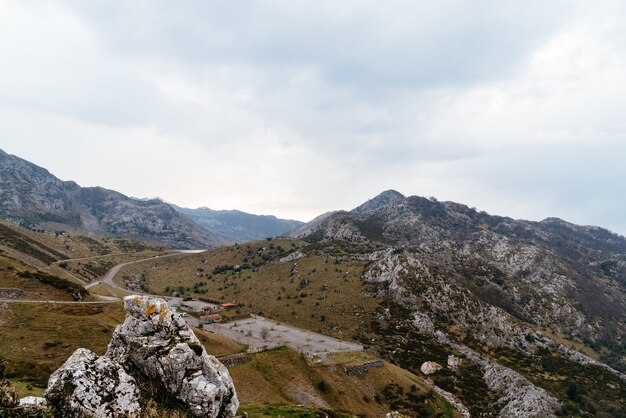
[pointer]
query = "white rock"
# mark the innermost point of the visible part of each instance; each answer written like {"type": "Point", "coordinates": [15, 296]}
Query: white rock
{"type": "Point", "coordinates": [33, 403]}
{"type": "Point", "coordinates": [158, 342]}
{"type": "Point", "coordinates": [86, 385]}
{"type": "Point", "coordinates": [454, 362]}
{"type": "Point", "coordinates": [430, 367]}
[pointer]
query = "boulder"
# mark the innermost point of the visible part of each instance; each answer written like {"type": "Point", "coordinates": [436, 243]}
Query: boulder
{"type": "Point", "coordinates": [157, 342]}
{"type": "Point", "coordinates": [32, 402]}
{"type": "Point", "coordinates": [454, 362]}
{"type": "Point", "coordinates": [430, 367]}
{"type": "Point", "coordinates": [88, 385]}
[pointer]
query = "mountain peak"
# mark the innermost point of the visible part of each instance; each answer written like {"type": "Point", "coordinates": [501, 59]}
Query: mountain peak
{"type": "Point", "coordinates": [384, 198]}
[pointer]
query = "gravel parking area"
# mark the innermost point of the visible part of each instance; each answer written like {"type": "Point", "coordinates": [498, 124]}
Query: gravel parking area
{"type": "Point", "coordinates": [261, 333]}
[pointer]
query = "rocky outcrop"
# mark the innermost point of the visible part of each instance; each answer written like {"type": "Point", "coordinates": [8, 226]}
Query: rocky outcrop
{"type": "Point", "coordinates": [158, 343]}
{"type": "Point", "coordinates": [454, 362]}
{"type": "Point", "coordinates": [154, 344]}
{"type": "Point", "coordinates": [430, 367]}
{"type": "Point", "coordinates": [10, 293]}
{"type": "Point", "coordinates": [88, 385]}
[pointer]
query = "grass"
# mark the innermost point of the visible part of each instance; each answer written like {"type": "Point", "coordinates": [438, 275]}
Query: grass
{"type": "Point", "coordinates": [318, 292]}
{"type": "Point", "coordinates": [26, 389]}
{"type": "Point", "coordinates": [106, 290]}
{"type": "Point", "coordinates": [280, 379]}
{"type": "Point", "coordinates": [38, 338]}
{"type": "Point", "coordinates": [358, 357]}
{"type": "Point", "coordinates": [96, 267]}
{"type": "Point", "coordinates": [35, 284]}
{"type": "Point", "coordinates": [67, 245]}
{"type": "Point", "coordinates": [567, 342]}
{"type": "Point", "coordinates": [218, 345]}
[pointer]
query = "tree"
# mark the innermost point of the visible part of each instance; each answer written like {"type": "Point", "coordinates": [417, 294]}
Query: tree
{"type": "Point", "coordinates": [264, 333]}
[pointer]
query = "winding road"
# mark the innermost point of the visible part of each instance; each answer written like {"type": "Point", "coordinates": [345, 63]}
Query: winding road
{"type": "Point", "coordinates": [108, 278]}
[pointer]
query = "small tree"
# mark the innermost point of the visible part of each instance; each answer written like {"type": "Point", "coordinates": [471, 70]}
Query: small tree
{"type": "Point", "coordinates": [264, 333]}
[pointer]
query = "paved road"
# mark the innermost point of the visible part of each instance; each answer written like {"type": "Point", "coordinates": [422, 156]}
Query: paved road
{"type": "Point", "coordinates": [250, 331]}
{"type": "Point", "coordinates": [108, 278]}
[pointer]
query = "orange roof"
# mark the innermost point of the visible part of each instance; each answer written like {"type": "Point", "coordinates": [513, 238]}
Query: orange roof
{"type": "Point", "coordinates": [228, 305]}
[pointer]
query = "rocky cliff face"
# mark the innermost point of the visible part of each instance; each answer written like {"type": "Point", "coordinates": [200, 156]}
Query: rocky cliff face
{"type": "Point", "coordinates": [569, 278]}
{"type": "Point", "coordinates": [455, 280]}
{"type": "Point", "coordinates": [154, 345]}
{"type": "Point", "coordinates": [237, 226]}
{"type": "Point", "coordinates": [31, 196]}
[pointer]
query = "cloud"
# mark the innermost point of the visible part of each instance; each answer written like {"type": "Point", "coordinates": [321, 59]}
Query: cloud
{"type": "Point", "coordinates": [295, 108]}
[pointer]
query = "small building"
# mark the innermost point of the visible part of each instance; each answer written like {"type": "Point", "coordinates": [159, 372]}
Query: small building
{"type": "Point", "coordinates": [228, 305]}
{"type": "Point", "coordinates": [212, 318]}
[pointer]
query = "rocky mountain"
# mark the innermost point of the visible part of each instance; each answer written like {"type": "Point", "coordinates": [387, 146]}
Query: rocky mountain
{"type": "Point", "coordinates": [303, 229]}
{"type": "Point", "coordinates": [31, 196]}
{"type": "Point", "coordinates": [520, 300]}
{"type": "Point", "coordinates": [237, 226]}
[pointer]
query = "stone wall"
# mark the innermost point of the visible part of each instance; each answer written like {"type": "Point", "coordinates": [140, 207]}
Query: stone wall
{"type": "Point", "coordinates": [235, 359]}
{"type": "Point", "coordinates": [361, 369]}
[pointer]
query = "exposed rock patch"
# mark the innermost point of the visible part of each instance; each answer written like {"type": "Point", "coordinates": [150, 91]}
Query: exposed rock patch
{"type": "Point", "coordinates": [88, 385]}
{"type": "Point", "coordinates": [454, 362]}
{"type": "Point", "coordinates": [430, 367]}
{"type": "Point", "coordinates": [10, 293]}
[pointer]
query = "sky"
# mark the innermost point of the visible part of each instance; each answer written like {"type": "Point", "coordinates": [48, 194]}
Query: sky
{"type": "Point", "coordinates": [294, 108]}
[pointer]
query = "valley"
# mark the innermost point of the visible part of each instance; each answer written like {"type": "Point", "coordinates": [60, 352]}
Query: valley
{"type": "Point", "coordinates": [461, 312]}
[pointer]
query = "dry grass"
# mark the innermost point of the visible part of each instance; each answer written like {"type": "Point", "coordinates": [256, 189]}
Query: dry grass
{"type": "Point", "coordinates": [282, 377]}
{"type": "Point", "coordinates": [38, 338]}
{"type": "Point", "coordinates": [357, 357]}
{"type": "Point", "coordinates": [567, 342]}
{"type": "Point", "coordinates": [106, 290]}
{"type": "Point", "coordinates": [315, 292]}
{"type": "Point", "coordinates": [31, 288]}
{"type": "Point", "coordinates": [218, 345]}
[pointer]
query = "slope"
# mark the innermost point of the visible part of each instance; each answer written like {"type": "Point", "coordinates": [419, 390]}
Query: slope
{"type": "Point", "coordinates": [32, 197]}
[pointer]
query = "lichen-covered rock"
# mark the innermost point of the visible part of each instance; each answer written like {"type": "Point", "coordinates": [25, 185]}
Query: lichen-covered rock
{"type": "Point", "coordinates": [430, 367]}
{"type": "Point", "coordinates": [158, 342]}
{"type": "Point", "coordinates": [90, 386]}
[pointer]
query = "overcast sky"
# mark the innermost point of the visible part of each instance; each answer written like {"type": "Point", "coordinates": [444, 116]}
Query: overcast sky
{"type": "Point", "coordinates": [295, 108]}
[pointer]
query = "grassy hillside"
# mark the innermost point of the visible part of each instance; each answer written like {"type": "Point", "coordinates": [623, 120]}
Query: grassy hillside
{"type": "Point", "coordinates": [320, 292]}
{"type": "Point", "coordinates": [319, 287]}
{"type": "Point", "coordinates": [38, 338]}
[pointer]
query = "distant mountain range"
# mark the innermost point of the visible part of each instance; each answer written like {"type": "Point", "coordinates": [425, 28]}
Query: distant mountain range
{"type": "Point", "coordinates": [237, 226]}
{"type": "Point", "coordinates": [30, 196]}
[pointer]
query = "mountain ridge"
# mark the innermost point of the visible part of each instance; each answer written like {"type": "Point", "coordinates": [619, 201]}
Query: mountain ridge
{"type": "Point", "coordinates": [31, 196]}
{"type": "Point", "coordinates": [238, 226]}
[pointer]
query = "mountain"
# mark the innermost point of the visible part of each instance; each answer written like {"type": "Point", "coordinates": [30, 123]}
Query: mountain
{"type": "Point", "coordinates": [31, 196]}
{"type": "Point", "coordinates": [303, 229]}
{"type": "Point", "coordinates": [237, 226]}
{"type": "Point", "coordinates": [569, 277]}
{"type": "Point", "coordinates": [524, 318]}
{"type": "Point", "coordinates": [384, 198]}
{"type": "Point", "coordinates": [526, 302]}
